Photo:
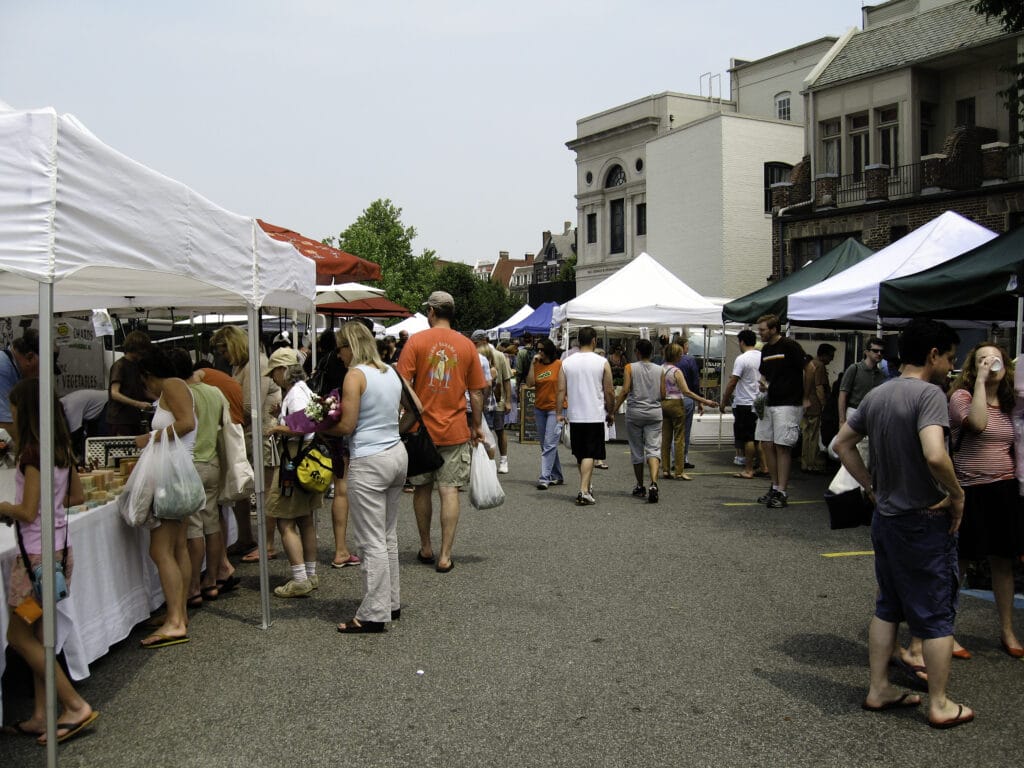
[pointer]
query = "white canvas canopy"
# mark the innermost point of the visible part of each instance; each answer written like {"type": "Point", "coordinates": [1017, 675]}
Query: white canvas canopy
{"type": "Point", "coordinates": [850, 298]}
{"type": "Point", "coordinates": [414, 324]}
{"type": "Point", "coordinates": [642, 293]}
{"type": "Point", "coordinates": [106, 231]}
{"type": "Point", "coordinates": [83, 226]}
{"type": "Point", "coordinates": [520, 314]}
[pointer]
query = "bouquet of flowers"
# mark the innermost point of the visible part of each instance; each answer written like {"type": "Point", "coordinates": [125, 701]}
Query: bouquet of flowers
{"type": "Point", "coordinates": [321, 413]}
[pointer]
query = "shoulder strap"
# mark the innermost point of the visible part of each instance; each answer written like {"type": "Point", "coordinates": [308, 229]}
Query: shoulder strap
{"type": "Point", "coordinates": [24, 552]}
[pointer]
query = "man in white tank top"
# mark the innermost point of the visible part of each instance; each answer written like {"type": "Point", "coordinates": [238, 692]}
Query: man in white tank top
{"type": "Point", "coordinates": [585, 383]}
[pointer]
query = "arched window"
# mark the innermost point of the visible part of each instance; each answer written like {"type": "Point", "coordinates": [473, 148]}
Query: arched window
{"type": "Point", "coordinates": [773, 174]}
{"type": "Point", "coordinates": [616, 177]}
{"type": "Point", "coordinates": [782, 106]}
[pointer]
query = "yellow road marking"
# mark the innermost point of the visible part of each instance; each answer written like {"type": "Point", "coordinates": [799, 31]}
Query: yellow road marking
{"type": "Point", "coordinates": [848, 554]}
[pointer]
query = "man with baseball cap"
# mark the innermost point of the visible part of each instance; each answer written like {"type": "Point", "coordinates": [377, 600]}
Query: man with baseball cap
{"type": "Point", "coordinates": [440, 364]}
{"type": "Point", "coordinates": [502, 387]}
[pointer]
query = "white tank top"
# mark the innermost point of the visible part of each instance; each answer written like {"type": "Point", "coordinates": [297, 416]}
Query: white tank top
{"type": "Point", "coordinates": [584, 384]}
{"type": "Point", "coordinates": [163, 418]}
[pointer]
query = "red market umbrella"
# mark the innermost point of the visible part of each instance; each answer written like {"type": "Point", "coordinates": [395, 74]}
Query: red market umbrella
{"type": "Point", "coordinates": [332, 265]}
{"type": "Point", "coordinates": [379, 307]}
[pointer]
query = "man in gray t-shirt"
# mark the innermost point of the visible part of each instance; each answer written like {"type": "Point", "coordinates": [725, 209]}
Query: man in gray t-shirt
{"type": "Point", "coordinates": [914, 531]}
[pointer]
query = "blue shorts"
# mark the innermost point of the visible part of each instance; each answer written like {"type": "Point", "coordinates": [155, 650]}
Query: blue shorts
{"type": "Point", "coordinates": [917, 572]}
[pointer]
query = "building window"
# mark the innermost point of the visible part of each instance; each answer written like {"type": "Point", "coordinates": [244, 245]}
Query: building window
{"type": "Point", "coordinates": [888, 135]}
{"type": "Point", "coordinates": [617, 225]}
{"type": "Point", "coordinates": [830, 147]}
{"type": "Point", "coordinates": [773, 174]}
{"type": "Point", "coordinates": [860, 146]}
{"type": "Point", "coordinates": [616, 177]}
{"type": "Point", "coordinates": [927, 127]}
{"type": "Point", "coordinates": [591, 228]}
{"type": "Point", "coordinates": [641, 219]}
{"type": "Point", "coordinates": [782, 110]}
{"type": "Point", "coordinates": [965, 112]}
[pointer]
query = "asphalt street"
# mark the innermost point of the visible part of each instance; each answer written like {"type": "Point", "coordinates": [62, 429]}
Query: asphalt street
{"type": "Point", "coordinates": [704, 630]}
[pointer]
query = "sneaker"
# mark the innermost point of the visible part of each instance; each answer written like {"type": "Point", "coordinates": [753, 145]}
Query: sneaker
{"type": "Point", "coordinates": [640, 492]}
{"type": "Point", "coordinates": [294, 588]}
{"type": "Point", "coordinates": [764, 499]}
{"type": "Point", "coordinates": [778, 501]}
{"type": "Point", "coordinates": [503, 465]}
{"type": "Point", "coordinates": [560, 481]}
{"type": "Point", "coordinates": [652, 494]}
{"type": "Point", "coordinates": [542, 485]}
{"type": "Point", "coordinates": [688, 465]}
{"type": "Point", "coordinates": [739, 461]}
{"type": "Point", "coordinates": [314, 581]}
{"type": "Point", "coordinates": [584, 500]}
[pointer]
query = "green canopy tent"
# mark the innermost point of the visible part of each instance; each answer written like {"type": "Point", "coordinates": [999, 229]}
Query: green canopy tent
{"type": "Point", "coordinates": [982, 285]}
{"type": "Point", "coordinates": [773, 299]}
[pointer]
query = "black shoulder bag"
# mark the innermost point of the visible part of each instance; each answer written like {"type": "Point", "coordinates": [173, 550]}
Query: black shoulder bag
{"type": "Point", "coordinates": [423, 454]}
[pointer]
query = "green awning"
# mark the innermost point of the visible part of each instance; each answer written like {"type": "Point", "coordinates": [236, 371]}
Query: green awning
{"type": "Point", "coordinates": [773, 299]}
{"type": "Point", "coordinates": [982, 284]}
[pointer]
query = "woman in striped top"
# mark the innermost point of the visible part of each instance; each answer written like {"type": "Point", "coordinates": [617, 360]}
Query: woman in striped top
{"type": "Point", "coordinates": [982, 437]}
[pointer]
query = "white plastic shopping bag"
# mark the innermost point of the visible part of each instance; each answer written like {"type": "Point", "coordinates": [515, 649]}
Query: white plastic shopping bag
{"type": "Point", "coordinates": [484, 489]}
{"type": "Point", "coordinates": [178, 490]}
{"type": "Point", "coordinates": [136, 500]}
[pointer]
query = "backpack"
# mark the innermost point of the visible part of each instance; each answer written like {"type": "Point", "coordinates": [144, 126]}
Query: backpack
{"type": "Point", "coordinates": [311, 468]}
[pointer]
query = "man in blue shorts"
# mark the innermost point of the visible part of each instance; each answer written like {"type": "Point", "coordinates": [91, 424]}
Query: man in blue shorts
{"type": "Point", "coordinates": [918, 508]}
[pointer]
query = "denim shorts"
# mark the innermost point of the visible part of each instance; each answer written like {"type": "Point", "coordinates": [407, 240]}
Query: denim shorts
{"type": "Point", "coordinates": [917, 572]}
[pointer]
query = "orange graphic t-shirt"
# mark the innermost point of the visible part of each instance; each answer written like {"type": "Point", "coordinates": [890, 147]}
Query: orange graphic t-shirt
{"type": "Point", "coordinates": [442, 364]}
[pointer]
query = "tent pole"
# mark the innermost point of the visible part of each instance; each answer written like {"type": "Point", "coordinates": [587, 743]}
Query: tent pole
{"type": "Point", "coordinates": [256, 419]}
{"type": "Point", "coordinates": [1020, 322]}
{"type": "Point", "coordinates": [47, 512]}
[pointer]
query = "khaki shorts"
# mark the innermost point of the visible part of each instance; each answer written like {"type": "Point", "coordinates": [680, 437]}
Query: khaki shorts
{"type": "Point", "coordinates": [780, 425]}
{"type": "Point", "coordinates": [455, 470]}
{"type": "Point", "coordinates": [207, 520]}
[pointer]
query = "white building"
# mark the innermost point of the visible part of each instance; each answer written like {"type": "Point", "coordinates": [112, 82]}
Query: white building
{"type": "Point", "coordinates": [683, 177]}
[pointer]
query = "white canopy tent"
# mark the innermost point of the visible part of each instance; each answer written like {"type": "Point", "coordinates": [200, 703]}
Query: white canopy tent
{"type": "Point", "coordinates": [523, 312]}
{"type": "Point", "coordinates": [84, 226]}
{"type": "Point", "coordinates": [850, 298]}
{"type": "Point", "coordinates": [642, 293]}
{"type": "Point", "coordinates": [414, 324]}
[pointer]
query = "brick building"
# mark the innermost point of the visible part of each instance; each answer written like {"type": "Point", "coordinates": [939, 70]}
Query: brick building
{"type": "Point", "coordinates": [904, 121]}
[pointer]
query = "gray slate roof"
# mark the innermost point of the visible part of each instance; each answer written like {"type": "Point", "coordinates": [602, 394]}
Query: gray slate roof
{"type": "Point", "coordinates": [902, 43]}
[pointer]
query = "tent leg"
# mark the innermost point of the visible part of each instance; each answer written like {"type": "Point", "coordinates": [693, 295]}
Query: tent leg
{"type": "Point", "coordinates": [1020, 323]}
{"type": "Point", "coordinates": [46, 424]}
{"type": "Point", "coordinates": [256, 419]}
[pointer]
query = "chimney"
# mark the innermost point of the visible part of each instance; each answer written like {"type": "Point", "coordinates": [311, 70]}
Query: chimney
{"type": "Point", "coordinates": [529, 258]}
{"type": "Point", "coordinates": [567, 228]}
{"type": "Point", "coordinates": [502, 255]}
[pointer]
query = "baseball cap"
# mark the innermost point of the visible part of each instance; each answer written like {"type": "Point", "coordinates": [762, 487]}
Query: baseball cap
{"type": "Point", "coordinates": [285, 356]}
{"type": "Point", "coordinates": [439, 299]}
{"type": "Point", "coordinates": [479, 335]}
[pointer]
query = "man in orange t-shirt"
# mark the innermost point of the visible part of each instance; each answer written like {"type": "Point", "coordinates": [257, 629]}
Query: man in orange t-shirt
{"type": "Point", "coordinates": [441, 365]}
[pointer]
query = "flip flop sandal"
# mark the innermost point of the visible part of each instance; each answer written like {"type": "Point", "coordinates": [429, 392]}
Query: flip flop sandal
{"type": "Point", "coordinates": [356, 627]}
{"type": "Point", "coordinates": [229, 584]}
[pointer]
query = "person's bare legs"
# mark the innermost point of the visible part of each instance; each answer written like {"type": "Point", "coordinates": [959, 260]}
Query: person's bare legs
{"type": "Point", "coordinates": [638, 471]}
{"type": "Point", "coordinates": [162, 550]}
{"type": "Point", "coordinates": [339, 520]}
{"type": "Point", "coordinates": [1002, 589]}
{"type": "Point", "coordinates": [938, 656]}
{"type": "Point", "coordinates": [307, 535]}
{"type": "Point", "coordinates": [423, 506]}
{"type": "Point", "coordinates": [246, 539]}
{"type": "Point", "coordinates": [771, 464]}
{"type": "Point", "coordinates": [881, 644]}
{"type": "Point", "coordinates": [653, 466]}
{"type": "Point", "coordinates": [196, 553]}
{"type": "Point", "coordinates": [215, 554]}
{"type": "Point", "coordinates": [783, 464]}
{"type": "Point", "coordinates": [291, 542]}
{"type": "Point", "coordinates": [184, 564]}
{"type": "Point", "coordinates": [449, 522]}
{"type": "Point", "coordinates": [749, 452]}
{"type": "Point", "coordinates": [26, 640]}
{"type": "Point", "coordinates": [586, 467]}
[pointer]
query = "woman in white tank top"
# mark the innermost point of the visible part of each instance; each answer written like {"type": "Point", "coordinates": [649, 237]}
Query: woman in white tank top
{"type": "Point", "coordinates": [167, 546]}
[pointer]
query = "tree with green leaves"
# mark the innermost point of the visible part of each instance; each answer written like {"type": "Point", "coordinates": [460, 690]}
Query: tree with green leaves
{"type": "Point", "coordinates": [478, 303]}
{"type": "Point", "coordinates": [380, 236]}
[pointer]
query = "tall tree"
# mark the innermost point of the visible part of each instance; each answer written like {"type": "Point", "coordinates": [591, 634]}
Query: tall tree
{"type": "Point", "coordinates": [478, 303]}
{"type": "Point", "coordinates": [380, 236]}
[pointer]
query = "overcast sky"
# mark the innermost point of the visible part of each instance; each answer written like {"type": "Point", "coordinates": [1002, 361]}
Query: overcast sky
{"type": "Point", "coordinates": [302, 112]}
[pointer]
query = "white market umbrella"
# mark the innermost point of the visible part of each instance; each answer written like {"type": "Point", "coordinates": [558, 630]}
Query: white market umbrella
{"type": "Point", "coordinates": [345, 292]}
